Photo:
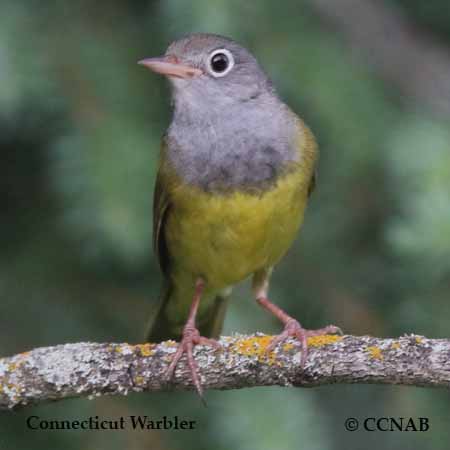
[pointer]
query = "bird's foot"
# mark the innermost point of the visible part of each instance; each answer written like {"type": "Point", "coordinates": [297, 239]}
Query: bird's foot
{"type": "Point", "coordinates": [191, 337]}
{"type": "Point", "coordinates": [293, 328]}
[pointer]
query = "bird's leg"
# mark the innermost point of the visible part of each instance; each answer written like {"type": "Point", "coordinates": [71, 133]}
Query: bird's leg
{"type": "Point", "coordinates": [292, 327]}
{"type": "Point", "coordinates": [191, 337]}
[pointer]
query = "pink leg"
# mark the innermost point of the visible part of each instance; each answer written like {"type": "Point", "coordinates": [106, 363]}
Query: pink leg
{"type": "Point", "coordinates": [293, 328]}
{"type": "Point", "coordinates": [191, 337]}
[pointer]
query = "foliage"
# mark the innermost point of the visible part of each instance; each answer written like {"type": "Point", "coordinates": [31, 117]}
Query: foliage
{"type": "Point", "coordinates": [80, 129]}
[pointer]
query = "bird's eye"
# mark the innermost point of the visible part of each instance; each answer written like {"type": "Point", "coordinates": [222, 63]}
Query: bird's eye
{"type": "Point", "coordinates": [220, 62]}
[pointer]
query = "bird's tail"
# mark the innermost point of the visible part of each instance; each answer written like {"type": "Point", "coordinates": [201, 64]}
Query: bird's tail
{"type": "Point", "coordinates": [163, 327]}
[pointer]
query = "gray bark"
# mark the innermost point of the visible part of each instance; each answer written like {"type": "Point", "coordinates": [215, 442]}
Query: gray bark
{"type": "Point", "coordinates": [91, 369]}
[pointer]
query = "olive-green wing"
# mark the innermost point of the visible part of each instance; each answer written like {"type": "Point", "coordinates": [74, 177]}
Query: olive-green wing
{"type": "Point", "coordinates": [310, 153]}
{"type": "Point", "coordinates": [161, 208]}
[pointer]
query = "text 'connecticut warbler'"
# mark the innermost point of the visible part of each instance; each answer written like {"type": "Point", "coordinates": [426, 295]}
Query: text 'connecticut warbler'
{"type": "Point", "coordinates": [236, 170]}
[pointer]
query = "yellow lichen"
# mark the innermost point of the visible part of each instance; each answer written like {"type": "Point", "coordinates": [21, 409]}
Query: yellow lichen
{"type": "Point", "coordinates": [146, 349]}
{"type": "Point", "coordinates": [419, 340]}
{"type": "Point", "coordinates": [255, 346]}
{"type": "Point", "coordinates": [12, 366]}
{"type": "Point", "coordinates": [375, 352]}
{"type": "Point", "coordinates": [170, 343]}
{"type": "Point", "coordinates": [139, 380]}
{"type": "Point", "coordinates": [323, 339]}
{"type": "Point", "coordinates": [395, 345]}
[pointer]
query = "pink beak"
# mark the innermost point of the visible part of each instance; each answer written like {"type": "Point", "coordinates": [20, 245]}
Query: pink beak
{"type": "Point", "coordinates": [170, 67]}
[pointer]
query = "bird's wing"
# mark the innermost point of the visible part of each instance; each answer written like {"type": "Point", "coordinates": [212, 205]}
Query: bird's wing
{"type": "Point", "coordinates": [312, 183]}
{"type": "Point", "coordinates": [161, 208]}
{"type": "Point", "coordinates": [310, 154]}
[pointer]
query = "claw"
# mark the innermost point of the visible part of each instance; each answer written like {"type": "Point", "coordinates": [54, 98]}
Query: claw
{"type": "Point", "coordinates": [191, 337]}
{"type": "Point", "coordinates": [294, 329]}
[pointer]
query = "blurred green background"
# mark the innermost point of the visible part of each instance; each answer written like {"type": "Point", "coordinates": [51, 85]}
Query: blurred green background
{"type": "Point", "coordinates": [80, 125]}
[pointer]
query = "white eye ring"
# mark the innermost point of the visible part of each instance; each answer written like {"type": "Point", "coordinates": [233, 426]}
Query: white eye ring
{"type": "Point", "coordinates": [230, 57]}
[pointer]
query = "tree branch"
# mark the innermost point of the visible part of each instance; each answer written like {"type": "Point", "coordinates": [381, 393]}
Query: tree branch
{"type": "Point", "coordinates": [90, 369]}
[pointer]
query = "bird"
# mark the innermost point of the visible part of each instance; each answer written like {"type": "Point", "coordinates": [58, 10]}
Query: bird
{"type": "Point", "coordinates": [236, 169]}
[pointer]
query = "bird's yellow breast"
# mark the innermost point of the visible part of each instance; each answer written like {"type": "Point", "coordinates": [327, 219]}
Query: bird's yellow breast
{"type": "Point", "coordinates": [225, 238]}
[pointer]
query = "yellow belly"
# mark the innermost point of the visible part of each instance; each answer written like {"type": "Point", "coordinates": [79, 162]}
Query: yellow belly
{"type": "Point", "coordinates": [226, 238]}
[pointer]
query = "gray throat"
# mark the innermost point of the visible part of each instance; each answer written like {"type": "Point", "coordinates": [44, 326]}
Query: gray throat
{"type": "Point", "coordinates": [232, 144]}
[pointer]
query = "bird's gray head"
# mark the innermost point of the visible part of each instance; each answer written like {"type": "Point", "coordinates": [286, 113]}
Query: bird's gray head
{"type": "Point", "coordinates": [229, 128]}
{"type": "Point", "coordinates": [207, 69]}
